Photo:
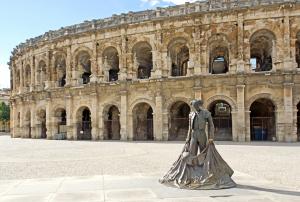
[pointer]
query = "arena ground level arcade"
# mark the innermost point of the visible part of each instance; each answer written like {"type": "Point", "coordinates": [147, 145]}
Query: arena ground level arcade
{"type": "Point", "coordinates": [255, 107]}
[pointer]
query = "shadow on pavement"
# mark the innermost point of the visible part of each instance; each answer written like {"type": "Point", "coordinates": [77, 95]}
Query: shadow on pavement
{"type": "Point", "coordinates": [275, 191]}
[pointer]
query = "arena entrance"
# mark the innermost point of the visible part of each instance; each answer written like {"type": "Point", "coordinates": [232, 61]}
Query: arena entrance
{"type": "Point", "coordinates": [42, 124]}
{"type": "Point", "coordinates": [179, 121]}
{"type": "Point", "coordinates": [28, 125]}
{"type": "Point", "coordinates": [221, 114]}
{"type": "Point", "coordinates": [84, 126]}
{"type": "Point", "coordinates": [143, 122]}
{"type": "Point", "coordinates": [112, 124]}
{"type": "Point", "coordinates": [61, 121]}
{"type": "Point", "coordinates": [262, 120]}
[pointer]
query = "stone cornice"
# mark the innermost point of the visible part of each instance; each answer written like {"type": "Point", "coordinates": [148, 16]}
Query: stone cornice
{"type": "Point", "coordinates": [147, 15]}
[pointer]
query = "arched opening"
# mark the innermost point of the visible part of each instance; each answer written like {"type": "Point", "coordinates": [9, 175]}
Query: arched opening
{"type": "Point", "coordinates": [143, 122]}
{"type": "Point", "coordinates": [60, 68]}
{"type": "Point", "coordinates": [41, 76]}
{"type": "Point", "coordinates": [84, 66]}
{"type": "Point", "coordinates": [297, 50]}
{"type": "Point", "coordinates": [84, 124]}
{"type": "Point", "coordinates": [41, 126]}
{"type": "Point", "coordinates": [112, 124]}
{"type": "Point", "coordinates": [179, 121]}
{"type": "Point", "coordinates": [221, 114]}
{"type": "Point", "coordinates": [111, 63]}
{"type": "Point", "coordinates": [262, 120]}
{"type": "Point", "coordinates": [261, 50]}
{"type": "Point", "coordinates": [61, 123]}
{"type": "Point", "coordinates": [143, 63]}
{"type": "Point", "coordinates": [179, 55]}
{"type": "Point", "coordinates": [218, 47]}
{"type": "Point", "coordinates": [298, 121]}
{"type": "Point", "coordinates": [27, 76]}
{"type": "Point", "coordinates": [27, 125]}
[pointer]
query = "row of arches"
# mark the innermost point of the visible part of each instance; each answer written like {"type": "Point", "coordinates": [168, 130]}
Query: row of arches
{"type": "Point", "coordinates": [262, 56]}
{"type": "Point", "coordinates": [262, 121]}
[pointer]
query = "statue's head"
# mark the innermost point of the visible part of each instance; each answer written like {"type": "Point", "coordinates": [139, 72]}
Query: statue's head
{"type": "Point", "coordinates": [197, 105]}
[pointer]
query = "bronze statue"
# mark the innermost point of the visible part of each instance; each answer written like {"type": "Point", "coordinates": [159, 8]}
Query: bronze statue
{"type": "Point", "coordinates": [206, 170]}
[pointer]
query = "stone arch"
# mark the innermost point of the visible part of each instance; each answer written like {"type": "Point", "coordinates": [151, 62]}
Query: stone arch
{"type": "Point", "coordinates": [41, 73]}
{"type": "Point", "coordinates": [261, 96]}
{"type": "Point", "coordinates": [84, 123]}
{"type": "Point", "coordinates": [142, 121]}
{"type": "Point", "coordinates": [142, 59]}
{"type": "Point", "coordinates": [218, 54]}
{"type": "Point", "coordinates": [226, 98]}
{"type": "Point", "coordinates": [141, 100]}
{"type": "Point", "coordinates": [60, 65]}
{"type": "Point", "coordinates": [221, 112]}
{"type": "Point", "coordinates": [262, 120]}
{"type": "Point", "coordinates": [41, 123]}
{"type": "Point", "coordinates": [111, 62]}
{"type": "Point", "coordinates": [262, 50]}
{"type": "Point", "coordinates": [111, 119]}
{"type": "Point", "coordinates": [27, 76]}
{"type": "Point", "coordinates": [178, 120]}
{"type": "Point", "coordinates": [178, 56]}
{"type": "Point", "coordinates": [175, 36]}
{"type": "Point", "coordinates": [60, 121]}
{"type": "Point", "coordinates": [297, 49]}
{"type": "Point", "coordinates": [83, 64]}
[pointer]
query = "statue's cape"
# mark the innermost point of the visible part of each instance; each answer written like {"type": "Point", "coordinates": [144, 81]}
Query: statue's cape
{"type": "Point", "coordinates": [207, 170]}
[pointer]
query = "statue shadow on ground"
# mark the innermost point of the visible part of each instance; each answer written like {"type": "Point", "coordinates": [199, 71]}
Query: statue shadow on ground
{"type": "Point", "coordinates": [275, 191]}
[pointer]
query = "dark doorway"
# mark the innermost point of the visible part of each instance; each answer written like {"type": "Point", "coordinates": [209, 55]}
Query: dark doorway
{"type": "Point", "coordinates": [262, 120]}
{"type": "Point", "coordinates": [179, 121]}
{"type": "Point", "coordinates": [143, 122]}
{"type": "Point", "coordinates": [112, 124]}
{"type": "Point", "coordinates": [85, 126]}
{"type": "Point", "coordinates": [221, 114]}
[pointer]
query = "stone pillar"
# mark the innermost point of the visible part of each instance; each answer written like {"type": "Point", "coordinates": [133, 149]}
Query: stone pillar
{"type": "Point", "coordinates": [289, 133]}
{"type": "Point", "coordinates": [165, 124]}
{"type": "Point", "coordinates": [123, 116]}
{"type": "Point", "coordinates": [288, 61]}
{"type": "Point", "coordinates": [248, 126]}
{"type": "Point", "coordinates": [13, 120]}
{"type": "Point", "coordinates": [129, 126]}
{"type": "Point", "coordinates": [94, 66]}
{"type": "Point", "coordinates": [48, 71]}
{"type": "Point", "coordinates": [32, 121]}
{"type": "Point", "coordinates": [158, 118]}
{"type": "Point", "coordinates": [240, 41]}
{"type": "Point", "coordinates": [197, 54]}
{"type": "Point", "coordinates": [22, 117]}
{"type": "Point", "coordinates": [94, 116]}
{"type": "Point", "coordinates": [240, 130]}
{"type": "Point", "coordinates": [49, 122]}
{"type": "Point", "coordinates": [69, 112]}
{"type": "Point", "coordinates": [235, 126]}
{"type": "Point", "coordinates": [32, 73]}
{"type": "Point", "coordinates": [101, 123]}
{"type": "Point", "coordinates": [166, 66]}
{"type": "Point", "coordinates": [21, 78]}
{"type": "Point", "coordinates": [68, 67]}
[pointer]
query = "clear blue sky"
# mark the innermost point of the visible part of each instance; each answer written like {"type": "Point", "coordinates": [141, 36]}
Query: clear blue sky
{"type": "Point", "coordinates": [23, 19]}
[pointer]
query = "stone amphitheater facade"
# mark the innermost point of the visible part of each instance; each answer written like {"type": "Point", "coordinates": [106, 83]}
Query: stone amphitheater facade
{"type": "Point", "coordinates": [132, 76]}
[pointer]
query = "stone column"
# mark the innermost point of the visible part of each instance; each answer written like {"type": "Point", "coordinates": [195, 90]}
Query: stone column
{"type": "Point", "coordinates": [94, 116]}
{"type": "Point", "coordinates": [248, 126]}
{"type": "Point", "coordinates": [32, 121]}
{"type": "Point", "coordinates": [70, 124]}
{"type": "Point", "coordinates": [123, 116]}
{"type": "Point", "coordinates": [158, 119]}
{"type": "Point", "coordinates": [101, 123]}
{"type": "Point", "coordinates": [22, 117]}
{"type": "Point", "coordinates": [165, 124]}
{"type": "Point", "coordinates": [49, 122]}
{"type": "Point", "coordinates": [48, 71]}
{"type": "Point", "coordinates": [240, 130]}
{"type": "Point", "coordinates": [21, 77]}
{"type": "Point", "coordinates": [289, 133]}
{"type": "Point", "coordinates": [13, 120]}
{"type": "Point", "coordinates": [240, 41]}
{"type": "Point", "coordinates": [32, 73]}
{"type": "Point", "coordinates": [68, 67]}
{"type": "Point", "coordinates": [288, 61]}
{"type": "Point", "coordinates": [94, 67]}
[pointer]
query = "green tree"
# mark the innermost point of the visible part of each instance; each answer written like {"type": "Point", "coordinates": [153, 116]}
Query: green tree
{"type": "Point", "coordinates": [4, 112]}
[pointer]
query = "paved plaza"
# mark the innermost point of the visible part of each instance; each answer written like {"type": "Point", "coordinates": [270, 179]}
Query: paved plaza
{"type": "Point", "coordinates": [44, 170]}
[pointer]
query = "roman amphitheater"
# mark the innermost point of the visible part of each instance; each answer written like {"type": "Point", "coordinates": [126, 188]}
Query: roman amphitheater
{"type": "Point", "coordinates": [132, 76]}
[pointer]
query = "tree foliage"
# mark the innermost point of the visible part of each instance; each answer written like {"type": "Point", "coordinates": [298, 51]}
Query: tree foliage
{"type": "Point", "coordinates": [4, 112]}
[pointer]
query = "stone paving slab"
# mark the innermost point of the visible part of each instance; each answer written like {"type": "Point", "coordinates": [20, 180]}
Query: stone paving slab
{"type": "Point", "coordinates": [138, 188]}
